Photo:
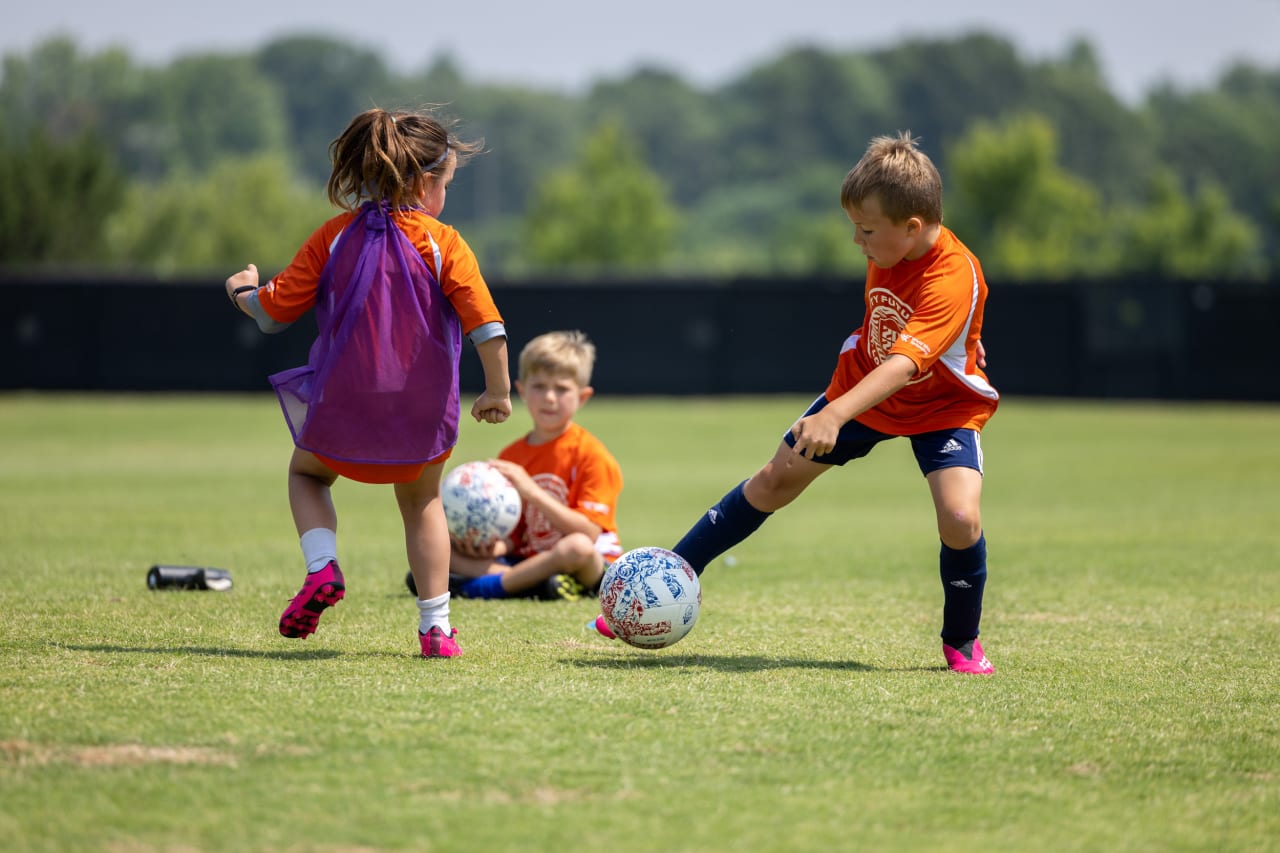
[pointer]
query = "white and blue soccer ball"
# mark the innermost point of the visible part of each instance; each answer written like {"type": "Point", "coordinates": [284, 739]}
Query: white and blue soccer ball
{"type": "Point", "coordinates": [650, 598]}
{"type": "Point", "coordinates": [480, 504]}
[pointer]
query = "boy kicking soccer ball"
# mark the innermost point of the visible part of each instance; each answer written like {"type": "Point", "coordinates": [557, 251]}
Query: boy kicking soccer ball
{"type": "Point", "coordinates": [913, 369]}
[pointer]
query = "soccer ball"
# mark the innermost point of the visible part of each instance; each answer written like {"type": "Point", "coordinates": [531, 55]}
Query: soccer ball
{"type": "Point", "coordinates": [650, 598]}
{"type": "Point", "coordinates": [480, 504]}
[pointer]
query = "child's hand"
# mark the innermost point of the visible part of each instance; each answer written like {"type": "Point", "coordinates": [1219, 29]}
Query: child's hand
{"type": "Point", "coordinates": [494, 550]}
{"type": "Point", "coordinates": [519, 477]}
{"type": "Point", "coordinates": [246, 278]}
{"type": "Point", "coordinates": [815, 435]}
{"type": "Point", "coordinates": [492, 408]}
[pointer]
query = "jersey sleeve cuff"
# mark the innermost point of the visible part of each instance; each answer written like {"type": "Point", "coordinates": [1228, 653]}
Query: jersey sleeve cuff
{"type": "Point", "coordinates": [486, 332]}
{"type": "Point", "coordinates": [265, 323]}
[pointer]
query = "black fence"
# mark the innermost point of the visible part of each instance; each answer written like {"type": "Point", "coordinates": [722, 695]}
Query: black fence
{"type": "Point", "coordinates": [1145, 339]}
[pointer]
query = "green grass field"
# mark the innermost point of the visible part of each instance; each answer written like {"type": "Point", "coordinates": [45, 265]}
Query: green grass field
{"type": "Point", "coordinates": [1132, 612]}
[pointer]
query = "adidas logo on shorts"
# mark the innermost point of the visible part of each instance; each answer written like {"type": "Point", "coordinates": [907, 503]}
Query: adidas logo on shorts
{"type": "Point", "coordinates": [952, 446]}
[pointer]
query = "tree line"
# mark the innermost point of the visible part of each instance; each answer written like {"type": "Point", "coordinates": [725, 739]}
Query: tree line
{"type": "Point", "coordinates": [198, 166]}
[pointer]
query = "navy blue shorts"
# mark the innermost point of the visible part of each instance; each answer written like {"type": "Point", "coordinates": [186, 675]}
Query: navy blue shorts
{"type": "Point", "coordinates": [944, 448]}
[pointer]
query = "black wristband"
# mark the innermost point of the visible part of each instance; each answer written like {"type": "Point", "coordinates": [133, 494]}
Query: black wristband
{"type": "Point", "coordinates": [244, 288]}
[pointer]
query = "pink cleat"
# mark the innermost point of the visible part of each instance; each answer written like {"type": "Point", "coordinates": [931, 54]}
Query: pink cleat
{"type": "Point", "coordinates": [968, 659]}
{"type": "Point", "coordinates": [601, 627]}
{"type": "Point", "coordinates": [323, 589]}
{"type": "Point", "coordinates": [437, 644]}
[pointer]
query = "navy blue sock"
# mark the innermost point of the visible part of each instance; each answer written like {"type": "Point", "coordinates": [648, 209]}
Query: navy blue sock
{"type": "Point", "coordinates": [964, 574]}
{"type": "Point", "coordinates": [720, 528]}
{"type": "Point", "coordinates": [485, 586]}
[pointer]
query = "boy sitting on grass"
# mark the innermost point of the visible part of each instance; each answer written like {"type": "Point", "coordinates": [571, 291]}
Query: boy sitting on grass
{"type": "Point", "coordinates": [568, 482]}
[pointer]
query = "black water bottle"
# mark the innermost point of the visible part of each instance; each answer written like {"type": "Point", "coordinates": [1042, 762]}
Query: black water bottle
{"type": "Point", "coordinates": [188, 577]}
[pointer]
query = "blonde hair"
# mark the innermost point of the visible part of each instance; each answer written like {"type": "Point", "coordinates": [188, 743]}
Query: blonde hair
{"type": "Point", "coordinates": [388, 156]}
{"type": "Point", "coordinates": [901, 177]}
{"type": "Point", "coordinates": [559, 354]}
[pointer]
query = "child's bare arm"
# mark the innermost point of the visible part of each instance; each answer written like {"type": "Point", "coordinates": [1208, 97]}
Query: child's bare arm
{"type": "Point", "coordinates": [494, 405]}
{"type": "Point", "coordinates": [562, 518]}
{"type": "Point", "coordinates": [816, 434]}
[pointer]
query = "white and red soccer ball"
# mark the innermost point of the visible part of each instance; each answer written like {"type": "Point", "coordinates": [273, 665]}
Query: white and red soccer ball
{"type": "Point", "coordinates": [480, 504]}
{"type": "Point", "coordinates": [650, 598]}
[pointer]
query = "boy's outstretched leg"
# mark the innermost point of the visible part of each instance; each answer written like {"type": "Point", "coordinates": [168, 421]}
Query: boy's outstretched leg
{"type": "Point", "coordinates": [721, 527]}
{"type": "Point", "coordinates": [741, 512]}
{"type": "Point", "coordinates": [746, 506]}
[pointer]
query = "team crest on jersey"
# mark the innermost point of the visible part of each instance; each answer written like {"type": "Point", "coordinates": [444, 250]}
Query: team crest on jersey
{"type": "Point", "coordinates": [888, 316]}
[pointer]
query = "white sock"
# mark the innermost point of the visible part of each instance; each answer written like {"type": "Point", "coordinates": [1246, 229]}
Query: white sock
{"type": "Point", "coordinates": [434, 612]}
{"type": "Point", "coordinates": [319, 546]}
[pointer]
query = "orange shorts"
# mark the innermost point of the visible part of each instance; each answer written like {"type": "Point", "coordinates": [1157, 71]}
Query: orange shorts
{"type": "Point", "coordinates": [366, 472]}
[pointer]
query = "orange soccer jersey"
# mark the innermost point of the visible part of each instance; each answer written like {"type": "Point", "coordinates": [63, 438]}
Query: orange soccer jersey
{"type": "Point", "coordinates": [579, 471]}
{"type": "Point", "coordinates": [292, 293]}
{"type": "Point", "coordinates": [929, 310]}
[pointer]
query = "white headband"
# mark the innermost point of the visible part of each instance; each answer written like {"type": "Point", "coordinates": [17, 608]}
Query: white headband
{"type": "Point", "coordinates": [438, 160]}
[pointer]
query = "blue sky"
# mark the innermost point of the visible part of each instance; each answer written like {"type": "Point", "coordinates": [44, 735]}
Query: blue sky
{"type": "Point", "coordinates": [566, 44]}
